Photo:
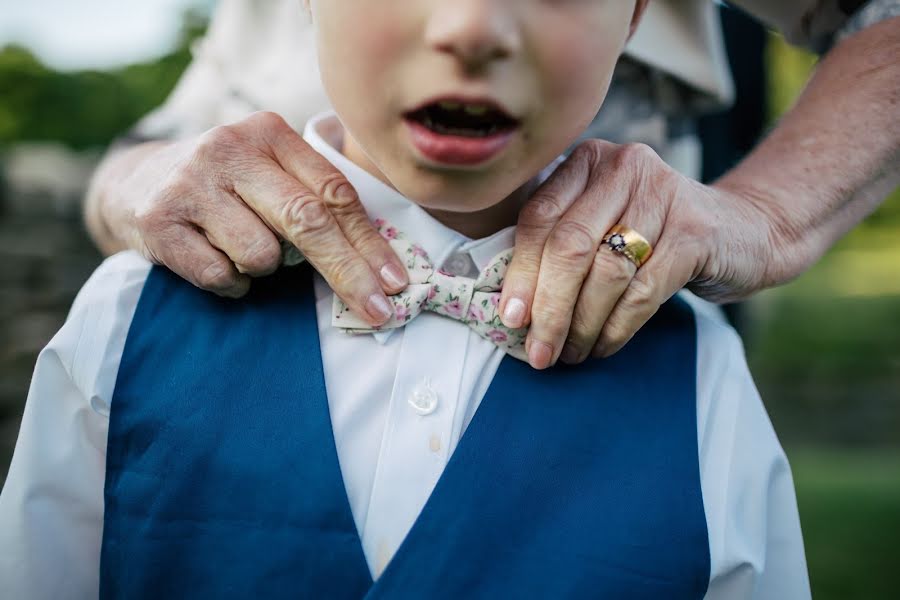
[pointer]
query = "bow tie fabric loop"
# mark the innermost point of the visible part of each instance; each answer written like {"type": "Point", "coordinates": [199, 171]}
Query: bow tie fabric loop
{"type": "Point", "coordinates": [474, 302]}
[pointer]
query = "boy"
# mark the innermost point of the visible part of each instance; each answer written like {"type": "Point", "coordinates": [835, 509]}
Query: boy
{"type": "Point", "coordinates": [254, 448]}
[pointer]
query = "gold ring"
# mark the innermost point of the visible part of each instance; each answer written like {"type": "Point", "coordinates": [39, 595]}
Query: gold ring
{"type": "Point", "coordinates": [629, 242]}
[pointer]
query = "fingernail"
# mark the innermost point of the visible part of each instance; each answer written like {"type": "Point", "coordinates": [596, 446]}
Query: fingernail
{"type": "Point", "coordinates": [379, 307]}
{"type": "Point", "coordinates": [570, 354]}
{"type": "Point", "coordinates": [540, 355]}
{"type": "Point", "coordinates": [514, 313]}
{"type": "Point", "coordinates": [393, 276]}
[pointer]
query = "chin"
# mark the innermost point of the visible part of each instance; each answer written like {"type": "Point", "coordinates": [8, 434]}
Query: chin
{"type": "Point", "coordinates": [456, 191]}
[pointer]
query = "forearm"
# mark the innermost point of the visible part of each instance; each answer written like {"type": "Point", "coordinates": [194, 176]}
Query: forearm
{"type": "Point", "coordinates": [834, 157]}
{"type": "Point", "coordinates": [106, 187]}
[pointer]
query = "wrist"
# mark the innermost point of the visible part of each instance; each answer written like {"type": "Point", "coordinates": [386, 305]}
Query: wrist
{"type": "Point", "coordinates": [778, 237]}
{"type": "Point", "coordinates": [109, 202]}
{"type": "Point", "coordinates": [96, 208]}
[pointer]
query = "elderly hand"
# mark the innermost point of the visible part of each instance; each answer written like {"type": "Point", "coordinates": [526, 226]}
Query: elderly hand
{"type": "Point", "coordinates": [207, 208]}
{"type": "Point", "coordinates": [582, 298]}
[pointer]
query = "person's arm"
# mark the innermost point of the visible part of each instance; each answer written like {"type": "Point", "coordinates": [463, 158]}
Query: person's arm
{"type": "Point", "coordinates": [830, 161]}
{"type": "Point", "coordinates": [193, 107]}
{"type": "Point", "coordinates": [212, 202]}
{"type": "Point", "coordinates": [827, 165]}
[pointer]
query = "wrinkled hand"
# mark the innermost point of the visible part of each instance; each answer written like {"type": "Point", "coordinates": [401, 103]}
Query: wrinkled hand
{"type": "Point", "coordinates": [207, 208]}
{"type": "Point", "coordinates": [580, 297]}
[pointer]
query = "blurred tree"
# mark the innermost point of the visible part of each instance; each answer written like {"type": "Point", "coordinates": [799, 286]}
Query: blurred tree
{"type": "Point", "coordinates": [84, 108]}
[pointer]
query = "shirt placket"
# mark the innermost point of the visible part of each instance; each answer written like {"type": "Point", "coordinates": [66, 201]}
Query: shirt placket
{"type": "Point", "coordinates": [417, 438]}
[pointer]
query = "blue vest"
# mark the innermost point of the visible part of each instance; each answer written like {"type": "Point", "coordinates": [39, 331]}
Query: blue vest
{"type": "Point", "coordinates": [222, 478]}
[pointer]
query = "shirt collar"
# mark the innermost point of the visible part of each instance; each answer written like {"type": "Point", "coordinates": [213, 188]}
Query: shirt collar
{"type": "Point", "coordinates": [325, 134]}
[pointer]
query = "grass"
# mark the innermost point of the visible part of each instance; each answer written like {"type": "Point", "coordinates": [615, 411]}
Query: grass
{"type": "Point", "coordinates": [825, 349]}
{"type": "Point", "coordinates": [850, 512]}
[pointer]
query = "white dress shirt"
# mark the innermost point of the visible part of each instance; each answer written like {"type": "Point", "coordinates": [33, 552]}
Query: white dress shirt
{"type": "Point", "coordinates": [396, 422]}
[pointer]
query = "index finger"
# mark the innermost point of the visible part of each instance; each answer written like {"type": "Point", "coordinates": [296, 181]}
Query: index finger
{"type": "Point", "coordinates": [302, 218]}
{"type": "Point", "coordinates": [324, 180]}
{"type": "Point", "coordinates": [536, 221]}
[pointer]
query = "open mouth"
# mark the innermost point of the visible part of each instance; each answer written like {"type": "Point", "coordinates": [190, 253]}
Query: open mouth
{"type": "Point", "coordinates": [463, 119]}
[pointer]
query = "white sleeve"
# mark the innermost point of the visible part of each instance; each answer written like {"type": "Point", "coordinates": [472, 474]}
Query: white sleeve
{"type": "Point", "coordinates": [811, 23]}
{"type": "Point", "coordinates": [195, 104]}
{"type": "Point", "coordinates": [756, 546]}
{"type": "Point", "coordinates": [51, 506]}
{"type": "Point", "coordinates": [256, 55]}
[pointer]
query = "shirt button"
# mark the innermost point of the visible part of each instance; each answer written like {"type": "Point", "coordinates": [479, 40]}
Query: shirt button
{"type": "Point", "coordinates": [423, 398]}
{"type": "Point", "coordinates": [461, 265]}
{"type": "Point", "coordinates": [434, 444]}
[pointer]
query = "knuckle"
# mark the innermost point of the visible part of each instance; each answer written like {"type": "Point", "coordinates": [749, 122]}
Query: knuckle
{"type": "Point", "coordinates": [210, 144]}
{"type": "Point", "coordinates": [149, 220]}
{"type": "Point", "coordinates": [217, 276]}
{"type": "Point", "coordinates": [612, 338]}
{"type": "Point", "coordinates": [615, 271]}
{"type": "Point", "coordinates": [640, 293]}
{"type": "Point", "coordinates": [369, 243]}
{"type": "Point", "coordinates": [552, 319]}
{"type": "Point", "coordinates": [640, 296]}
{"type": "Point", "coordinates": [572, 241]}
{"type": "Point", "coordinates": [305, 214]}
{"type": "Point", "coordinates": [541, 208]}
{"type": "Point", "coordinates": [346, 274]}
{"type": "Point", "coordinates": [267, 120]}
{"type": "Point", "coordinates": [162, 211]}
{"type": "Point", "coordinates": [593, 150]}
{"type": "Point", "coordinates": [615, 334]}
{"type": "Point", "coordinates": [179, 199]}
{"type": "Point", "coordinates": [635, 154]}
{"type": "Point", "coordinates": [262, 256]}
{"type": "Point", "coordinates": [581, 333]}
{"type": "Point", "coordinates": [337, 191]}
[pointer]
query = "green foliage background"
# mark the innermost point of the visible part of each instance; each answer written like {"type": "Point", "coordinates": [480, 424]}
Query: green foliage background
{"type": "Point", "coordinates": [83, 109]}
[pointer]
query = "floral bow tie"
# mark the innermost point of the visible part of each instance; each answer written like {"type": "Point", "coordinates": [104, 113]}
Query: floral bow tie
{"type": "Point", "coordinates": [475, 302]}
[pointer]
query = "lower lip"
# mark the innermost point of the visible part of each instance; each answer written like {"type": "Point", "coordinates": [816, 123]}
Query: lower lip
{"type": "Point", "coordinates": [456, 149]}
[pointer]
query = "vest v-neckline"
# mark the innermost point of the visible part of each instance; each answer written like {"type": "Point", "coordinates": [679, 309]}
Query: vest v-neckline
{"type": "Point", "coordinates": [465, 440]}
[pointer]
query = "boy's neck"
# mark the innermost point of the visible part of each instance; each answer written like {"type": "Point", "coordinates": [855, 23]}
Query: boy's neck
{"type": "Point", "coordinates": [475, 225]}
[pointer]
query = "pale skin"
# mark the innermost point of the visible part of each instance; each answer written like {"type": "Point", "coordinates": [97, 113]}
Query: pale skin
{"type": "Point", "coordinates": [207, 208]}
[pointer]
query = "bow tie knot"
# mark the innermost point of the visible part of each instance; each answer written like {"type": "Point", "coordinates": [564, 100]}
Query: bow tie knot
{"type": "Point", "coordinates": [474, 302]}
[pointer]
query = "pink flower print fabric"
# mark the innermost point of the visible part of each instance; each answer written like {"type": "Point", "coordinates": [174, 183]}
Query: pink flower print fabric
{"type": "Point", "coordinates": [475, 302]}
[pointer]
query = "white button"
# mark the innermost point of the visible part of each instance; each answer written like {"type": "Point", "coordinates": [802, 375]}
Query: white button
{"type": "Point", "coordinates": [461, 265]}
{"type": "Point", "coordinates": [434, 444]}
{"type": "Point", "coordinates": [423, 398]}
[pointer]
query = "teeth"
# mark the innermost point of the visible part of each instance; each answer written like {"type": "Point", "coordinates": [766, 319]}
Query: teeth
{"type": "Point", "coordinates": [446, 130]}
{"type": "Point", "coordinates": [447, 105]}
{"type": "Point", "coordinates": [476, 110]}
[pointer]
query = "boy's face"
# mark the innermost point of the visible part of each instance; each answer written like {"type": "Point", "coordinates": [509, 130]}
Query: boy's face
{"type": "Point", "coordinates": [459, 102]}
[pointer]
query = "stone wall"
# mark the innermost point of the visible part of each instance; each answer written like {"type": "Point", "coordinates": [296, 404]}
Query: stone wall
{"type": "Point", "coordinates": [45, 257]}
